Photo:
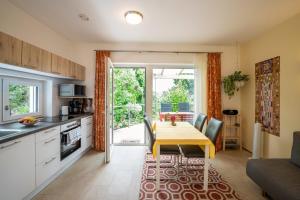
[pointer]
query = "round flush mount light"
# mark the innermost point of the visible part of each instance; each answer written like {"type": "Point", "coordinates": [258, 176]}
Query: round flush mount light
{"type": "Point", "coordinates": [133, 17]}
{"type": "Point", "coordinates": [83, 17]}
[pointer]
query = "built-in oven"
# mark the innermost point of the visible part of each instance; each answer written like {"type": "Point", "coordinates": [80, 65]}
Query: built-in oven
{"type": "Point", "coordinates": [70, 138]}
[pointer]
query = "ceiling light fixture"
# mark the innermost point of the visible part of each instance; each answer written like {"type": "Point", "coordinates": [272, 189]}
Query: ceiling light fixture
{"type": "Point", "coordinates": [133, 17]}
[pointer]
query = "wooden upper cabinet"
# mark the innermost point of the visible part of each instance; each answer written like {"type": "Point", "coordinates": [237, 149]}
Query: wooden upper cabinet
{"type": "Point", "coordinates": [64, 68]}
{"type": "Point", "coordinates": [80, 72]}
{"type": "Point", "coordinates": [56, 62]}
{"type": "Point", "coordinates": [72, 69]}
{"type": "Point", "coordinates": [10, 49]}
{"type": "Point", "coordinates": [20, 53]}
{"type": "Point", "coordinates": [46, 61]}
{"type": "Point", "coordinates": [31, 56]}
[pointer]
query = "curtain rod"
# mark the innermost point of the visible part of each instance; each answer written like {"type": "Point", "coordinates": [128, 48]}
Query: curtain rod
{"type": "Point", "coordinates": [144, 51]}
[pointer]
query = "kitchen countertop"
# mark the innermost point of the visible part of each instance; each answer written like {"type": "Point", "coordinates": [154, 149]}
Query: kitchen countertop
{"type": "Point", "coordinates": [43, 124]}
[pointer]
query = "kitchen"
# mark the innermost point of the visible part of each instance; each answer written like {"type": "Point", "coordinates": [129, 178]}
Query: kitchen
{"type": "Point", "coordinates": [46, 121]}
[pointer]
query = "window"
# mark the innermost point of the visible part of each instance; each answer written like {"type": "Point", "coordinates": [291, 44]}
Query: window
{"type": "Point", "coordinates": [173, 91]}
{"type": "Point", "coordinates": [20, 98]}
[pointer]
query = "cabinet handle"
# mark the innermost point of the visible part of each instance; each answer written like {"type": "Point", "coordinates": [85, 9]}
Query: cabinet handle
{"type": "Point", "coordinates": [50, 130]}
{"type": "Point", "coordinates": [9, 145]}
{"type": "Point", "coordinates": [46, 142]}
{"type": "Point", "coordinates": [49, 161]}
{"type": "Point", "coordinates": [88, 136]}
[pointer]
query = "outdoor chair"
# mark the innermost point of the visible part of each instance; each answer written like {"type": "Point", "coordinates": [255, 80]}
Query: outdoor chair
{"type": "Point", "coordinates": [184, 107]}
{"type": "Point", "coordinates": [165, 107]}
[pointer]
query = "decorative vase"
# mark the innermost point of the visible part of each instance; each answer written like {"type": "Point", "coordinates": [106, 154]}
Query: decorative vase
{"type": "Point", "coordinates": [173, 119]}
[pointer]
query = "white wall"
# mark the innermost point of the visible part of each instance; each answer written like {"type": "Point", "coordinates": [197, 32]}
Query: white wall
{"type": "Point", "coordinates": [284, 41]}
{"type": "Point", "coordinates": [86, 54]}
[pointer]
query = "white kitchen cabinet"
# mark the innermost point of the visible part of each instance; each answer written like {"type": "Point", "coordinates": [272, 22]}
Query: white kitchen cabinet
{"type": "Point", "coordinates": [47, 168]}
{"type": "Point", "coordinates": [47, 154]}
{"type": "Point", "coordinates": [48, 133]}
{"type": "Point", "coordinates": [47, 144]}
{"type": "Point", "coordinates": [17, 168]}
{"type": "Point", "coordinates": [86, 132]}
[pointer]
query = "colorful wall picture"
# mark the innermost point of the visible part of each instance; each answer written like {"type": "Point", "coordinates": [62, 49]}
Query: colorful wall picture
{"type": "Point", "coordinates": [267, 86]}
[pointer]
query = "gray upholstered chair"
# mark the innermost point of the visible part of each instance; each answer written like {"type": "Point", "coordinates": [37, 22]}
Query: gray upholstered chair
{"type": "Point", "coordinates": [193, 151]}
{"type": "Point", "coordinates": [183, 107]}
{"type": "Point", "coordinates": [172, 150]}
{"type": "Point", "coordinates": [165, 107]}
{"type": "Point", "coordinates": [199, 123]}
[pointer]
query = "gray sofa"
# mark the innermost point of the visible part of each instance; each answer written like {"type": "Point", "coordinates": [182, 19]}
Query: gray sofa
{"type": "Point", "coordinates": [279, 178]}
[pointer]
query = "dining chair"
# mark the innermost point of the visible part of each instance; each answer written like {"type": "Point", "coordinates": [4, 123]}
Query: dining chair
{"type": "Point", "coordinates": [199, 123]}
{"type": "Point", "coordinates": [183, 107]}
{"type": "Point", "coordinates": [165, 107]}
{"type": "Point", "coordinates": [172, 150]}
{"type": "Point", "coordinates": [193, 151]}
{"type": "Point", "coordinates": [149, 119]}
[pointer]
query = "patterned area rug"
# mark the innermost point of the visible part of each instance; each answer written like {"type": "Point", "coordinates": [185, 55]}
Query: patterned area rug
{"type": "Point", "coordinates": [180, 189]}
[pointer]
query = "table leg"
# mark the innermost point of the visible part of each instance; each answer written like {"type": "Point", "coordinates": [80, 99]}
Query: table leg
{"type": "Point", "coordinates": [158, 167]}
{"type": "Point", "coordinates": [206, 164]}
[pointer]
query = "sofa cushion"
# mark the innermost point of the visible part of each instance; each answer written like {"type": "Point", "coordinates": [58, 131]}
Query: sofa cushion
{"type": "Point", "coordinates": [295, 158]}
{"type": "Point", "coordinates": [278, 177]}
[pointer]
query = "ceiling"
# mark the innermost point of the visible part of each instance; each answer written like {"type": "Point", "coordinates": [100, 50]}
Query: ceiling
{"type": "Point", "coordinates": [165, 21]}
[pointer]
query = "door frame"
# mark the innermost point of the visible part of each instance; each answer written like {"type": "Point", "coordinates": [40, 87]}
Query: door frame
{"type": "Point", "coordinates": [108, 111]}
{"type": "Point", "coordinates": [120, 66]}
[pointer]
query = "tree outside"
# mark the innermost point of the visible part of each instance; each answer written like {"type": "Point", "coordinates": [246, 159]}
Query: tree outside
{"type": "Point", "coordinates": [181, 91]}
{"type": "Point", "coordinates": [129, 96]}
{"type": "Point", "coordinates": [129, 100]}
{"type": "Point", "coordinates": [19, 99]}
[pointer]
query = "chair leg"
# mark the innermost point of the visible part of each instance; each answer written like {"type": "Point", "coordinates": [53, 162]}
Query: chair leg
{"type": "Point", "coordinates": [177, 167]}
{"type": "Point", "coordinates": [153, 161]}
{"type": "Point", "coordinates": [176, 160]}
{"type": "Point", "coordinates": [186, 170]}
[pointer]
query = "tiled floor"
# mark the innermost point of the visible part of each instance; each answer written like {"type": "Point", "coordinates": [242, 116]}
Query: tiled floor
{"type": "Point", "coordinates": [132, 135]}
{"type": "Point", "coordinates": [120, 179]}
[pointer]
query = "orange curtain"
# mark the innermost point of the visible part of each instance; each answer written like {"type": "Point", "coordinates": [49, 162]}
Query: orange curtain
{"type": "Point", "coordinates": [99, 100]}
{"type": "Point", "coordinates": [214, 108]}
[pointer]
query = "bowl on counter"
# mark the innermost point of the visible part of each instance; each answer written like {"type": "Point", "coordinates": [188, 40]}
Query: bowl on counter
{"type": "Point", "coordinates": [28, 121]}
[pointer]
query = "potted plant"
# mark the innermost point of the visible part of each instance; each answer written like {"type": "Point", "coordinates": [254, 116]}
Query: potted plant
{"type": "Point", "coordinates": [234, 82]}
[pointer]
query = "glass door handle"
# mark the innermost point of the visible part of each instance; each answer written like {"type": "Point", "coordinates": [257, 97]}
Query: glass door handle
{"type": "Point", "coordinates": [7, 108]}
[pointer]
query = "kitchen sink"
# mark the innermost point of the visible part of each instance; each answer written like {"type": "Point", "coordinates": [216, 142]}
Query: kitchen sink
{"type": "Point", "coordinates": [5, 132]}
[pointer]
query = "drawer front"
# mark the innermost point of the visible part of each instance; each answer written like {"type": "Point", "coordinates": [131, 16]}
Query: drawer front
{"type": "Point", "coordinates": [89, 131]}
{"type": "Point", "coordinates": [46, 134]}
{"type": "Point", "coordinates": [87, 120]}
{"type": "Point", "coordinates": [46, 148]}
{"type": "Point", "coordinates": [47, 168]}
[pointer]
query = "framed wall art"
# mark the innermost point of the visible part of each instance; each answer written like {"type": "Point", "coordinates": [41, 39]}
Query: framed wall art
{"type": "Point", "coordinates": [267, 97]}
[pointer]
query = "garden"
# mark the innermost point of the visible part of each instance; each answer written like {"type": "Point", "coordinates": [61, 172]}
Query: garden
{"type": "Point", "coordinates": [129, 96]}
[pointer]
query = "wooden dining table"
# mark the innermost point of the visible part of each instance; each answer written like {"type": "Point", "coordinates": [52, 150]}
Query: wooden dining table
{"type": "Point", "coordinates": [182, 134]}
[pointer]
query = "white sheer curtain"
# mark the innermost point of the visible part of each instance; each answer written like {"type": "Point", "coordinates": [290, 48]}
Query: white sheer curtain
{"type": "Point", "coordinates": [200, 88]}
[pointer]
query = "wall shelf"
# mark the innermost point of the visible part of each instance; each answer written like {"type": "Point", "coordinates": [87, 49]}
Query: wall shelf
{"type": "Point", "coordinates": [71, 97]}
{"type": "Point", "coordinates": [232, 136]}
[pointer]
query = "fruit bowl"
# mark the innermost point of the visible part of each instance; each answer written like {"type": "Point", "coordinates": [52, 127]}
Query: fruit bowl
{"type": "Point", "coordinates": [28, 121]}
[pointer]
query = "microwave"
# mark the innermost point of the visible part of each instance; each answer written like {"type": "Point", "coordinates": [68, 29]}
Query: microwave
{"type": "Point", "coordinates": [71, 90]}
